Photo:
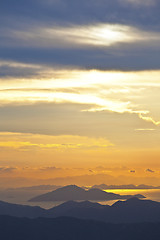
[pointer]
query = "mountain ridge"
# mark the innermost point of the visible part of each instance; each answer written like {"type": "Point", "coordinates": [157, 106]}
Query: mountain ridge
{"type": "Point", "coordinates": [73, 192]}
{"type": "Point", "coordinates": [129, 211]}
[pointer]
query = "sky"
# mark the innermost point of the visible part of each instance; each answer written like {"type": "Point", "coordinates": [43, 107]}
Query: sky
{"type": "Point", "coordinates": [79, 92]}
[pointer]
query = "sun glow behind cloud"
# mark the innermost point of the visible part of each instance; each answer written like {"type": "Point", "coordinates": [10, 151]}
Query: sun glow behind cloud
{"type": "Point", "coordinates": [93, 35]}
{"type": "Point", "coordinates": [100, 34]}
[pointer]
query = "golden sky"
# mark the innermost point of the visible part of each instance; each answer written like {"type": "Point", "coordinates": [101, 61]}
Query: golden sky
{"type": "Point", "coordinates": [73, 121]}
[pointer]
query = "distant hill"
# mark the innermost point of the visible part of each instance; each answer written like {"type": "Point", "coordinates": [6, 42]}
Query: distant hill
{"type": "Point", "coordinates": [63, 228]}
{"type": "Point", "coordinates": [129, 211]}
{"type": "Point", "coordinates": [129, 186]}
{"type": "Point", "coordinates": [18, 210]}
{"type": "Point", "coordinates": [73, 192]}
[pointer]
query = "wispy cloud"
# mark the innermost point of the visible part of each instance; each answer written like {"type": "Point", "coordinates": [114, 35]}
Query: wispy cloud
{"type": "Point", "coordinates": [75, 36]}
{"type": "Point", "coordinates": [51, 142]}
{"type": "Point", "coordinates": [149, 119]}
{"type": "Point", "coordinates": [114, 91]}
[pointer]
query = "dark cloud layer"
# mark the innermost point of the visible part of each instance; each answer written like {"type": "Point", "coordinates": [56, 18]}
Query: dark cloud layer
{"type": "Point", "coordinates": [21, 15]}
{"type": "Point", "coordinates": [103, 59]}
{"type": "Point", "coordinates": [8, 71]}
{"type": "Point", "coordinates": [71, 11]}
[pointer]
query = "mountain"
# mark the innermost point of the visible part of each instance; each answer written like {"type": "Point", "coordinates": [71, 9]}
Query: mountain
{"type": "Point", "coordinates": [129, 186]}
{"type": "Point", "coordinates": [74, 229]}
{"type": "Point", "coordinates": [20, 210]}
{"type": "Point", "coordinates": [83, 209]}
{"type": "Point", "coordinates": [73, 192]}
{"type": "Point", "coordinates": [129, 211]}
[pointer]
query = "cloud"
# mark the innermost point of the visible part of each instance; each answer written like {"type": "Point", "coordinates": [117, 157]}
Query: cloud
{"type": "Point", "coordinates": [36, 117]}
{"type": "Point", "coordinates": [132, 171]}
{"type": "Point", "coordinates": [150, 170]}
{"type": "Point", "coordinates": [93, 89]}
{"type": "Point", "coordinates": [149, 119]}
{"type": "Point", "coordinates": [89, 34]}
{"type": "Point", "coordinates": [51, 168]}
{"type": "Point", "coordinates": [121, 58]}
{"type": "Point", "coordinates": [84, 11]}
{"type": "Point", "coordinates": [53, 142]}
{"type": "Point", "coordinates": [81, 36]}
{"type": "Point", "coordinates": [7, 169]}
{"type": "Point", "coordinates": [10, 69]}
{"type": "Point", "coordinates": [80, 46]}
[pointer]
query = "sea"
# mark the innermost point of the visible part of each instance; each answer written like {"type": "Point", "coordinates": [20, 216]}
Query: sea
{"type": "Point", "coordinates": [22, 196]}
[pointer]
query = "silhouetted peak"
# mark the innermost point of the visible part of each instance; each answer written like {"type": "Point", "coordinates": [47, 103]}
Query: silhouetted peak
{"type": "Point", "coordinates": [70, 187]}
{"type": "Point", "coordinates": [67, 204]}
{"type": "Point", "coordinates": [133, 199]}
{"type": "Point", "coordinates": [73, 192]}
{"type": "Point", "coordinates": [80, 204]}
{"type": "Point", "coordinates": [130, 201]}
{"type": "Point", "coordinates": [88, 204]}
{"type": "Point", "coordinates": [95, 190]}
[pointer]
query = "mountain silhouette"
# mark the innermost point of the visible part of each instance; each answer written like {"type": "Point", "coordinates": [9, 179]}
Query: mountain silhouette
{"type": "Point", "coordinates": [130, 211]}
{"type": "Point", "coordinates": [18, 210]}
{"type": "Point", "coordinates": [64, 228]}
{"type": "Point", "coordinates": [73, 192]}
